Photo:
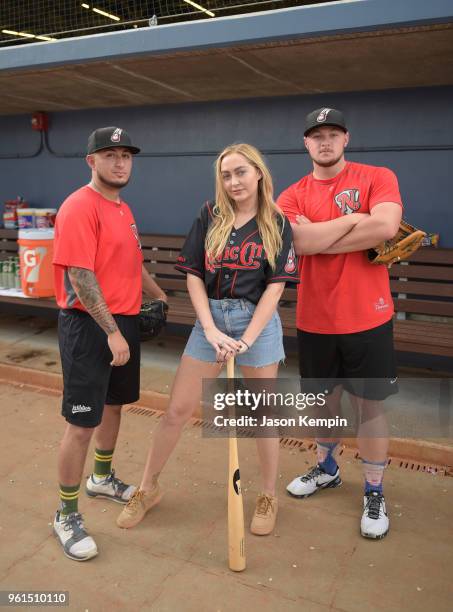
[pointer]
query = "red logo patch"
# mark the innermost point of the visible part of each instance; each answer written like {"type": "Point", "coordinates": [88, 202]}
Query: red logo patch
{"type": "Point", "coordinates": [290, 265]}
{"type": "Point", "coordinates": [348, 201]}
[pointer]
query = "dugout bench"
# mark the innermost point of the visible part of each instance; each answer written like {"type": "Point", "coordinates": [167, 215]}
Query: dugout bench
{"type": "Point", "coordinates": [422, 288]}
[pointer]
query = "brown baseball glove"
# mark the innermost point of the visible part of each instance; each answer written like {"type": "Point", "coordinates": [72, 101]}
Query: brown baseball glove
{"type": "Point", "coordinates": [407, 240]}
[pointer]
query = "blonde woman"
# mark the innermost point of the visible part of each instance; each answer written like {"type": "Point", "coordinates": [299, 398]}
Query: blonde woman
{"type": "Point", "coordinates": [238, 256]}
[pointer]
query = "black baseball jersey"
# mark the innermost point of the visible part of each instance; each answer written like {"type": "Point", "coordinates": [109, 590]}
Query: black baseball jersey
{"type": "Point", "coordinates": [243, 270]}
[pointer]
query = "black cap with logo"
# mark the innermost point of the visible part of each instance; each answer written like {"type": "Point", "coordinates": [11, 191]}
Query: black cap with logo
{"type": "Point", "coordinates": [324, 116]}
{"type": "Point", "coordinates": [109, 137]}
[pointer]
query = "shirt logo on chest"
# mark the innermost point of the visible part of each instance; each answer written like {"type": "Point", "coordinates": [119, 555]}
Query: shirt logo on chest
{"type": "Point", "coordinates": [348, 201]}
{"type": "Point", "coordinates": [136, 236]}
{"type": "Point", "coordinates": [246, 257]}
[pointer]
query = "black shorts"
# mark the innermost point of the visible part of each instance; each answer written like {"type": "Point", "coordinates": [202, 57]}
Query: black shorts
{"type": "Point", "coordinates": [89, 379]}
{"type": "Point", "coordinates": [363, 362]}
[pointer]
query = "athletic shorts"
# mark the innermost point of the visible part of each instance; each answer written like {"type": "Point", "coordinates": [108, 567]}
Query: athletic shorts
{"type": "Point", "coordinates": [89, 380]}
{"type": "Point", "coordinates": [232, 317]}
{"type": "Point", "coordinates": [363, 362]}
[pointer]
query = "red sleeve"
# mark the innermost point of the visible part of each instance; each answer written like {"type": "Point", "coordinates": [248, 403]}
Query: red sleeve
{"type": "Point", "coordinates": [287, 201]}
{"type": "Point", "coordinates": [384, 188]}
{"type": "Point", "coordinates": [76, 235]}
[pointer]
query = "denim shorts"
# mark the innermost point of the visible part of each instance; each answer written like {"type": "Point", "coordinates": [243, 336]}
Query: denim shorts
{"type": "Point", "coordinates": [232, 318]}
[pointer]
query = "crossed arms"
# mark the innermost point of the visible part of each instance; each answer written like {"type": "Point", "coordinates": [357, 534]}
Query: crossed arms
{"type": "Point", "coordinates": [354, 232]}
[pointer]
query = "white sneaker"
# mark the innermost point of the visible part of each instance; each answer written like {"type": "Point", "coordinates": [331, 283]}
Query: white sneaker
{"type": "Point", "coordinates": [311, 482]}
{"type": "Point", "coordinates": [110, 487]}
{"type": "Point", "coordinates": [375, 522]}
{"type": "Point", "coordinates": [76, 542]}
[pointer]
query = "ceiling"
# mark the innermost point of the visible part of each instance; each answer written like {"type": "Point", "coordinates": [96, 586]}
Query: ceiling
{"type": "Point", "coordinates": [398, 58]}
{"type": "Point", "coordinates": [62, 19]}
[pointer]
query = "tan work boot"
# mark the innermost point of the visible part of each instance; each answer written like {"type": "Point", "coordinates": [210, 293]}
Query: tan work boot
{"type": "Point", "coordinates": [263, 521]}
{"type": "Point", "coordinates": [138, 506]}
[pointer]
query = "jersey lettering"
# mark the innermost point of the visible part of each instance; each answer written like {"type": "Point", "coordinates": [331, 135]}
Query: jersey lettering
{"type": "Point", "coordinates": [247, 257]}
{"type": "Point", "coordinates": [242, 270]}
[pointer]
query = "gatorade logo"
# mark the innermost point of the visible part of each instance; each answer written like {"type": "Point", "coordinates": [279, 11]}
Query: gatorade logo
{"type": "Point", "coordinates": [33, 259]}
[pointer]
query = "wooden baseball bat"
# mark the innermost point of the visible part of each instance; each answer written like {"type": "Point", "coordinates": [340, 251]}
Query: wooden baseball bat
{"type": "Point", "coordinates": [236, 539]}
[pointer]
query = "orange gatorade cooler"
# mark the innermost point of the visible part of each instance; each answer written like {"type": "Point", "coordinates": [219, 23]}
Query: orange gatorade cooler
{"type": "Point", "coordinates": [36, 252]}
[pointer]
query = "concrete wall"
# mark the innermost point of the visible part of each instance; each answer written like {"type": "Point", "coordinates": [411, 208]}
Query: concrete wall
{"type": "Point", "coordinates": [410, 131]}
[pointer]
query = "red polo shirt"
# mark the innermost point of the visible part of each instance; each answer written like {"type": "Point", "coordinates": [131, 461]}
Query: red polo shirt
{"type": "Point", "coordinates": [97, 234]}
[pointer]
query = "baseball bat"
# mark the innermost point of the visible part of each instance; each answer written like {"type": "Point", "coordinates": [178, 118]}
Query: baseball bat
{"type": "Point", "coordinates": [236, 539]}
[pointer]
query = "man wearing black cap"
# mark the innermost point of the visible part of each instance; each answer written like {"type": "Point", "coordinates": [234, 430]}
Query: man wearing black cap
{"type": "Point", "coordinates": [344, 306]}
{"type": "Point", "coordinates": [99, 279]}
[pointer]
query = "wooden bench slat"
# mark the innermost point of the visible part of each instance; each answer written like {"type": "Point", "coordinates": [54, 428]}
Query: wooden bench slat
{"type": "Point", "coordinates": [422, 288]}
{"type": "Point", "coordinates": [39, 302]}
{"type": "Point", "coordinates": [431, 337]}
{"type": "Point", "coordinates": [8, 234]}
{"type": "Point", "coordinates": [171, 284]}
{"type": "Point", "coordinates": [423, 272]}
{"type": "Point", "coordinates": [429, 307]}
{"type": "Point", "coordinates": [163, 268]}
{"type": "Point", "coordinates": [410, 347]}
{"type": "Point", "coordinates": [290, 295]}
{"type": "Point", "coordinates": [429, 340]}
{"type": "Point", "coordinates": [160, 255]}
{"type": "Point", "coordinates": [436, 255]}
{"type": "Point", "coordinates": [160, 241]}
{"type": "Point", "coordinates": [426, 326]}
{"type": "Point", "coordinates": [431, 327]}
{"type": "Point", "coordinates": [426, 337]}
{"type": "Point", "coordinates": [291, 332]}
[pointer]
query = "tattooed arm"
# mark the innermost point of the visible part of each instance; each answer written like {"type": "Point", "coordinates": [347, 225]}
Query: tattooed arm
{"type": "Point", "coordinates": [89, 293]}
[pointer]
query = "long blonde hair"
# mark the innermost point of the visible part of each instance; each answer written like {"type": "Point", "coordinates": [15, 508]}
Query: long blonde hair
{"type": "Point", "coordinates": [267, 216]}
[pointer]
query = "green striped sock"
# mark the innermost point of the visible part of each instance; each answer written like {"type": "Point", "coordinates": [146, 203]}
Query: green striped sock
{"type": "Point", "coordinates": [69, 498]}
{"type": "Point", "coordinates": [102, 462]}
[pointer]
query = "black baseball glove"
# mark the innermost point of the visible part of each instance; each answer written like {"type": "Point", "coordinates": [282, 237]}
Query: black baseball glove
{"type": "Point", "coordinates": [152, 319]}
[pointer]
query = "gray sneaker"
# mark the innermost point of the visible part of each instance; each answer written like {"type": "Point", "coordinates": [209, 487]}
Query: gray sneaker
{"type": "Point", "coordinates": [76, 542]}
{"type": "Point", "coordinates": [111, 488]}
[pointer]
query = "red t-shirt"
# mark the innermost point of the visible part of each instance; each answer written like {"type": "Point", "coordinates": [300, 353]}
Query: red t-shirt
{"type": "Point", "coordinates": [341, 294]}
{"type": "Point", "coordinates": [97, 234]}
